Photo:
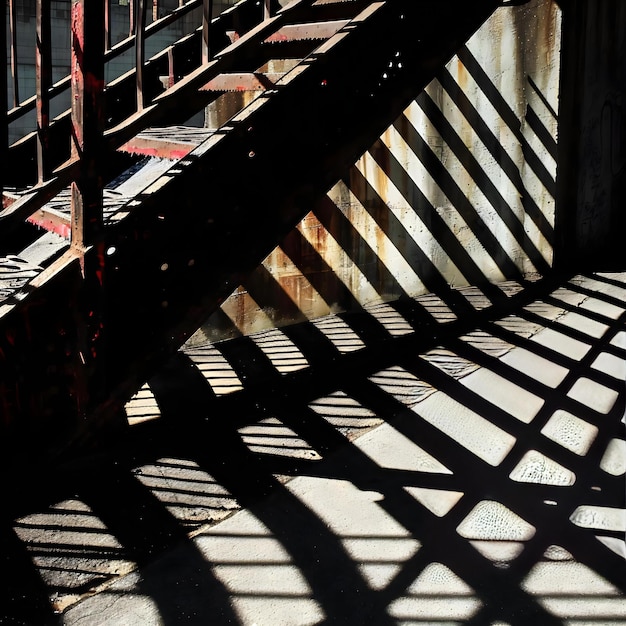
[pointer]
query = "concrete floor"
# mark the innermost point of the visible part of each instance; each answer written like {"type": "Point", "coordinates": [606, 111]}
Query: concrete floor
{"type": "Point", "coordinates": [445, 460]}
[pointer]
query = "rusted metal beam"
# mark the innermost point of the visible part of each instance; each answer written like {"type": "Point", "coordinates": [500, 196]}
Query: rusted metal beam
{"type": "Point", "coordinates": [181, 251]}
{"type": "Point", "coordinates": [303, 32]}
{"type": "Point", "coordinates": [87, 64]}
{"type": "Point", "coordinates": [88, 122]}
{"type": "Point", "coordinates": [43, 80]}
{"type": "Point", "coordinates": [168, 142]}
{"type": "Point", "coordinates": [242, 81]}
{"type": "Point", "coordinates": [52, 220]}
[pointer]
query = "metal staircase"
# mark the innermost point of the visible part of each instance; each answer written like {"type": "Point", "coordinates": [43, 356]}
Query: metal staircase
{"type": "Point", "coordinates": [137, 253]}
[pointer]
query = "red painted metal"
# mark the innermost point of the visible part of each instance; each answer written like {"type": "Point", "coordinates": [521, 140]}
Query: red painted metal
{"type": "Point", "coordinates": [241, 81]}
{"type": "Point", "coordinates": [52, 220]}
{"type": "Point", "coordinates": [87, 71]}
{"type": "Point", "coordinates": [303, 32]}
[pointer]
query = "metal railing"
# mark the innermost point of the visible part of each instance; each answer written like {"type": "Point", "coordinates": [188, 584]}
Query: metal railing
{"type": "Point", "coordinates": [91, 50]}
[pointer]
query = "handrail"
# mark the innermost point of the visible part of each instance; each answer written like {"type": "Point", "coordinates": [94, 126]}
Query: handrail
{"type": "Point", "coordinates": [87, 118]}
{"type": "Point", "coordinates": [22, 108]}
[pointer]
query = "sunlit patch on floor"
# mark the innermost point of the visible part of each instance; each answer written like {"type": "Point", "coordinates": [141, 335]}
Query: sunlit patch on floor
{"type": "Point", "coordinates": [344, 412]}
{"type": "Point", "coordinates": [402, 385]}
{"type": "Point", "coordinates": [572, 591]}
{"type": "Point", "coordinates": [142, 406]}
{"type": "Point", "coordinates": [436, 596]}
{"type": "Point", "coordinates": [496, 532]}
{"type": "Point", "coordinates": [270, 436]}
{"type": "Point", "coordinates": [537, 468]}
{"type": "Point", "coordinates": [188, 492]}
{"type": "Point", "coordinates": [571, 432]}
{"type": "Point", "coordinates": [72, 549]}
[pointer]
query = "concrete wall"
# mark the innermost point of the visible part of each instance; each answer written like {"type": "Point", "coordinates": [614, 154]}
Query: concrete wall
{"type": "Point", "coordinates": [460, 188]}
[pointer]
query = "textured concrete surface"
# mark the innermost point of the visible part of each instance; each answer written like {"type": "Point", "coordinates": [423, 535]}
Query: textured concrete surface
{"type": "Point", "coordinates": [388, 467]}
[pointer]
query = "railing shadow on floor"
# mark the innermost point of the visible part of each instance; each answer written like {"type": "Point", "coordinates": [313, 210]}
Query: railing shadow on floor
{"type": "Point", "coordinates": [469, 470]}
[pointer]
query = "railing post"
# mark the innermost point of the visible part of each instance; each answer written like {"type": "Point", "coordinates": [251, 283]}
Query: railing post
{"type": "Point", "coordinates": [131, 18]}
{"type": "Point", "coordinates": [207, 16]}
{"type": "Point", "coordinates": [140, 49]}
{"type": "Point", "coordinates": [43, 80]}
{"type": "Point", "coordinates": [88, 116]}
{"type": "Point", "coordinates": [4, 133]}
{"type": "Point", "coordinates": [87, 75]}
{"type": "Point", "coordinates": [107, 25]}
{"type": "Point", "coordinates": [13, 26]}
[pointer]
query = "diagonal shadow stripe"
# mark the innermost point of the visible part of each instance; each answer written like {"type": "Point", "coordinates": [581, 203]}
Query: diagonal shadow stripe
{"type": "Point", "coordinates": [543, 99]}
{"type": "Point", "coordinates": [494, 480]}
{"type": "Point", "coordinates": [459, 200]}
{"type": "Point", "coordinates": [268, 293]}
{"type": "Point", "coordinates": [484, 183]}
{"type": "Point", "coordinates": [496, 150]}
{"type": "Point", "coordinates": [542, 133]}
{"type": "Point", "coordinates": [310, 263]}
{"type": "Point", "coordinates": [315, 549]}
{"type": "Point", "coordinates": [357, 249]}
{"type": "Point", "coordinates": [441, 542]}
{"type": "Point", "coordinates": [508, 116]}
{"type": "Point", "coordinates": [222, 325]}
{"type": "Point", "coordinates": [417, 259]}
{"type": "Point", "coordinates": [438, 228]}
{"type": "Point", "coordinates": [554, 398]}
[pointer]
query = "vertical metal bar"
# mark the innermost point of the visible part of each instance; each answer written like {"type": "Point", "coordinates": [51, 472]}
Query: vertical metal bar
{"type": "Point", "coordinates": [13, 23]}
{"type": "Point", "coordinates": [171, 75]}
{"type": "Point", "coordinates": [4, 131]}
{"type": "Point", "coordinates": [87, 80]}
{"type": "Point", "coordinates": [207, 16]}
{"type": "Point", "coordinates": [131, 18]}
{"type": "Point", "coordinates": [140, 49]}
{"type": "Point", "coordinates": [266, 9]}
{"type": "Point", "coordinates": [87, 114]}
{"type": "Point", "coordinates": [43, 80]}
{"type": "Point", "coordinates": [155, 10]}
{"type": "Point", "coordinates": [107, 24]}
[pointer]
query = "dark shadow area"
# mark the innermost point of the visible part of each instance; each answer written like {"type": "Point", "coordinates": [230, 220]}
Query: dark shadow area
{"type": "Point", "coordinates": [156, 500]}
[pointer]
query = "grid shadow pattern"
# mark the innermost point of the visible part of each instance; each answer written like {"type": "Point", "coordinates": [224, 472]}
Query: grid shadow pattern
{"type": "Point", "coordinates": [401, 465]}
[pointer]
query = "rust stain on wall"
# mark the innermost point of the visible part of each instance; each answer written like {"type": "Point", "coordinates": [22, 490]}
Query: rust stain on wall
{"type": "Point", "coordinates": [378, 200]}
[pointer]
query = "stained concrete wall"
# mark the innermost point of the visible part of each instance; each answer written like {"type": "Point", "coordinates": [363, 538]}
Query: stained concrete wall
{"type": "Point", "coordinates": [461, 188]}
